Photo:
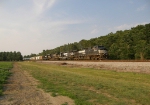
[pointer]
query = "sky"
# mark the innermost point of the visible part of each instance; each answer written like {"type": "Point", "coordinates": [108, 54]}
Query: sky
{"type": "Point", "coordinates": [31, 26]}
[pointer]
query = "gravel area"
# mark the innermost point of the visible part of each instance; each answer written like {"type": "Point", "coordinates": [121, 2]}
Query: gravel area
{"type": "Point", "coordinates": [142, 67]}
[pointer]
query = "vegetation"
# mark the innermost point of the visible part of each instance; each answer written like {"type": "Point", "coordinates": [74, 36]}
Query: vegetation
{"type": "Point", "coordinates": [127, 44]}
{"type": "Point", "coordinates": [90, 86]}
{"type": "Point", "coordinates": [4, 73]}
{"type": "Point", "coordinates": [10, 56]}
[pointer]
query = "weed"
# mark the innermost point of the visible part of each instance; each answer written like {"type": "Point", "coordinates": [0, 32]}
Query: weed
{"type": "Point", "coordinates": [4, 73]}
{"type": "Point", "coordinates": [65, 103]}
{"type": "Point", "coordinates": [54, 94]}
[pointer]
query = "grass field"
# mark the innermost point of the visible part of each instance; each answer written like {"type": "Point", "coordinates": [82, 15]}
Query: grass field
{"type": "Point", "coordinates": [90, 86]}
{"type": "Point", "coordinates": [4, 73]}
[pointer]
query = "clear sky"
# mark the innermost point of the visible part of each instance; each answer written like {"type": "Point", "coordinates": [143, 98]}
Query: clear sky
{"type": "Point", "coordinates": [31, 26]}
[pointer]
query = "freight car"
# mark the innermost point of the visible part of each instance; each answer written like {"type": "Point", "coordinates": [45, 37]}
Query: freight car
{"type": "Point", "coordinates": [38, 58]}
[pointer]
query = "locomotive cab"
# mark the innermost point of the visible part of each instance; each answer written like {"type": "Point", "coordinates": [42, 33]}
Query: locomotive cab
{"type": "Point", "coordinates": [101, 47]}
{"type": "Point", "coordinates": [102, 51]}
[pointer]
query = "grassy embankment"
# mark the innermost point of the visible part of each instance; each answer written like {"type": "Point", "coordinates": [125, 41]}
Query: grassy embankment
{"type": "Point", "coordinates": [90, 86]}
{"type": "Point", "coordinates": [4, 73]}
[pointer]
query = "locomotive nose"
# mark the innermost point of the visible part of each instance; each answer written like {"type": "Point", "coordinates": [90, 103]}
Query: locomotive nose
{"type": "Point", "coordinates": [102, 51]}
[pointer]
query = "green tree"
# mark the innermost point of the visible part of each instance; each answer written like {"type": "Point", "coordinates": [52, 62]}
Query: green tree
{"type": "Point", "coordinates": [141, 49]}
{"type": "Point", "coordinates": [127, 44]}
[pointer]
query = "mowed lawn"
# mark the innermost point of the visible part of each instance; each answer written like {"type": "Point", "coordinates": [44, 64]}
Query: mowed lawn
{"type": "Point", "coordinates": [88, 86]}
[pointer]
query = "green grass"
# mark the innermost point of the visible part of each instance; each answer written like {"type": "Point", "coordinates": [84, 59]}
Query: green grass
{"type": "Point", "coordinates": [90, 86]}
{"type": "Point", "coordinates": [4, 73]}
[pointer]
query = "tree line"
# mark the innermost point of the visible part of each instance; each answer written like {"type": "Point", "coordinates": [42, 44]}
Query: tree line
{"type": "Point", "coordinates": [11, 56]}
{"type": "Point", "coordinates": [121, 45]}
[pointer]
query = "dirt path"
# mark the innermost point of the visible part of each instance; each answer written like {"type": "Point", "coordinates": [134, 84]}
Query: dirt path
{"type": "Point", "coordinates": [21, 89]}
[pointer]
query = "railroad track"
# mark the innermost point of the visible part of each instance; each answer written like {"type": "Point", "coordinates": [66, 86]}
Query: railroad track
{"type": "Point", "coordinates": [101, 60]}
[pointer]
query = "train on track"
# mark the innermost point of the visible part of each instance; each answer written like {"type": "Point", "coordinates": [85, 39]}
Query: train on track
{"type": "Point", "coordinates": [91, 53]}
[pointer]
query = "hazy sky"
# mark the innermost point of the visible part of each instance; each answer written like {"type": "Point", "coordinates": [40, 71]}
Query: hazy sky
{"type": "Point", "coordinates": [31, 26]}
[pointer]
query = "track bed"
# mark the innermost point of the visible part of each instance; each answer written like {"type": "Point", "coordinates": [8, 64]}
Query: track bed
{"type": "Point", "coordinates": [125, 66]}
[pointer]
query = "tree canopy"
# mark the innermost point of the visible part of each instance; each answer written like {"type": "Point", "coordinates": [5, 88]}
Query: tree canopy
{"type": "Point", "coordinates": [10, 56]}
{"type": "Point", "coordinates": [127, 44]}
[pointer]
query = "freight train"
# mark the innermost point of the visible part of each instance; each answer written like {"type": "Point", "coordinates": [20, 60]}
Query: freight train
{"type": "Point", "coordinates": [91, 53]}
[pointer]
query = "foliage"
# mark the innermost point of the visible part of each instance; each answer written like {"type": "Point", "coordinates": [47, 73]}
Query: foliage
{"type": "Point", "coordinates": [31, 55]}
{"type": "Point", "coordinates": [4, 73]}
{"type": "Point", "coordinates": [10, 56]}
{"type": "Point", "coordinates": [90, 86]}
{"type": "Point", "coordinates": [127, 44]}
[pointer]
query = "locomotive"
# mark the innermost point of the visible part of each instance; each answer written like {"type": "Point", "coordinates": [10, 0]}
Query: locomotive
{"type": "Point", "coordinates": [91, 53]}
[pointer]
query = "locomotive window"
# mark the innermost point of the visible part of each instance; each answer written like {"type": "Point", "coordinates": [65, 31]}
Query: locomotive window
{"type": "Point", "coordinates": [101, 48]}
